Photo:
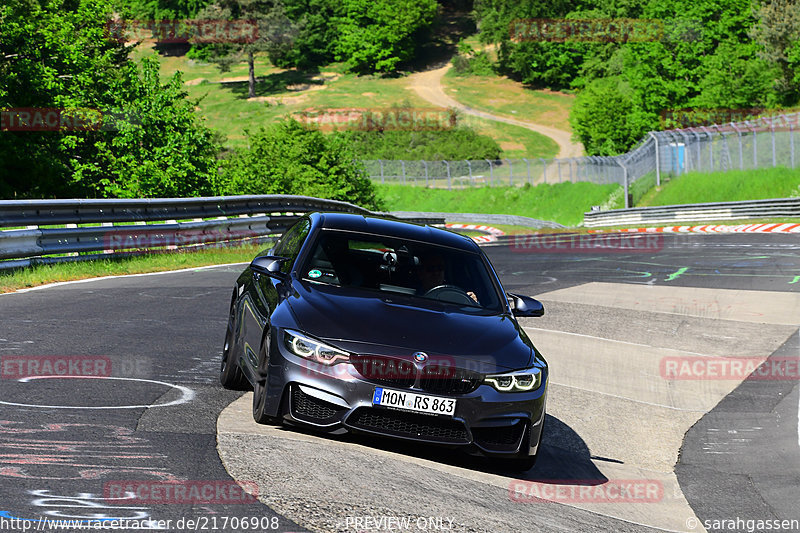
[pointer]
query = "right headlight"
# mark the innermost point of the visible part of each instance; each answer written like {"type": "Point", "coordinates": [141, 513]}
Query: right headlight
{"type": "Point", "coordinates": [312, 349]}
{"type": "Point", "coordinates": [521, 381]}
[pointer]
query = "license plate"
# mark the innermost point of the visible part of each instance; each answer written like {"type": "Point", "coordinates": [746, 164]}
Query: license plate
{"type": "Point", "coordinates": [411, 401]}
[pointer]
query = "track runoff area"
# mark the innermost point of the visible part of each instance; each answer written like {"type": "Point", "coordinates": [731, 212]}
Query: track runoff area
{"type": "Point", "coordinates": [672, 406]}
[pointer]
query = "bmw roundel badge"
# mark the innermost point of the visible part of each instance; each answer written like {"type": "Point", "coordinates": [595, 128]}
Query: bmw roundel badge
{"type": "Point", "coordinates": [420, 357]}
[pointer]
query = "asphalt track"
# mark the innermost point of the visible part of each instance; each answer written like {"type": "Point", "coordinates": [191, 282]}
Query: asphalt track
{"type": "Point", "coordinates": [719, 449]}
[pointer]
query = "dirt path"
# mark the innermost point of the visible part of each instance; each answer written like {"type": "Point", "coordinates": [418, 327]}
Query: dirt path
{"type": "Point", "coordinates": [428, 85]}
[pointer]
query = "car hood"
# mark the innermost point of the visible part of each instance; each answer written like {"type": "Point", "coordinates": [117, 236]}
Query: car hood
{"type": "Point", "coordinates": [396, 325]}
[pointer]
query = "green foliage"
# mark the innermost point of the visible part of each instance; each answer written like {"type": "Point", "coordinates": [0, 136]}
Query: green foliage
{"type": "Point", "coordinates": [158, 149]}
{"type": "Point", "coordinates": [607, 117]}
{"type": "Point", "coordinates": [430, 145]}
{"type": "Point", "coordinates": [564, 203]}
{"type": "Point", "coordinates": [709, 54]}
{"type": "Point", "coordinates": [468, 62]}
{"type": "Point", "coordinates": [161, 9]}
{"type": "Point", "coordinates": [55, 54]}
{"type": "Point", "coordinates": [290, 158]}
{"type": "Point", "coordinates": [377, 35]}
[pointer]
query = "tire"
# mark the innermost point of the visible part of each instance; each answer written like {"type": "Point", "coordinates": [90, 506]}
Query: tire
{"type": "Point", "coordinates": [230, 375]}
{"type": "Point", "coordinates": [260, 388]}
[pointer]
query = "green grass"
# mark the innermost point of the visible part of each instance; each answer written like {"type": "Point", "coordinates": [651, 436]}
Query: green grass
{"type": "Point", "coordinates": [564, 203]}
{"type": "Point", "coordinates": [729, 186]}
{"type": "Point", "coordinates": [279, 92]}
{"type": "Point", "coordinates": [515, 141]}
{"type": "Point", "coordinates": [41, 274]}
{"type": "Point", "coordinates": [502, 96]}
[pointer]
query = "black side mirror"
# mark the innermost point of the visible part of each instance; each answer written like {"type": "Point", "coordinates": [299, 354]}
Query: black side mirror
{"type": "Point", "coordinates": [525, 306]}
{"type": "Point", "coordinates": [269, 265]}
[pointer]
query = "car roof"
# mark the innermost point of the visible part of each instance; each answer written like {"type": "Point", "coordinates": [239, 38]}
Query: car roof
{"type": "Point", "coordinates": [393, 228]}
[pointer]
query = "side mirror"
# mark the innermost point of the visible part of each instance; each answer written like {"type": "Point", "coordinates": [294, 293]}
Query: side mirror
{"type": "Point", "coordinates": [525, 306]}
{"type": "Point", "coordinates": [269, 265]}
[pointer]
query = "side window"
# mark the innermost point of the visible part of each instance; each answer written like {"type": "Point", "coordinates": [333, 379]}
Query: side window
{"type": "Point", "coordinates": [290, 243]}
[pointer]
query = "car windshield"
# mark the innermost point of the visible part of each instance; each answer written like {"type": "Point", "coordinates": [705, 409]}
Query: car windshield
{"type": "Point", "coordinates": [412, 268]}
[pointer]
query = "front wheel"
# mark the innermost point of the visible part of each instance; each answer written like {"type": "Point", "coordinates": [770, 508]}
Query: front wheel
{"type": "Point", "coordinates": [230, 375]}
{"type": "Point", "coordinates": [260, 388]}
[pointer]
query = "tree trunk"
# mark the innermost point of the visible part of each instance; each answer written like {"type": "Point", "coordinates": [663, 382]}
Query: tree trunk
{"type": "Point", "coordinates": [252, 75]}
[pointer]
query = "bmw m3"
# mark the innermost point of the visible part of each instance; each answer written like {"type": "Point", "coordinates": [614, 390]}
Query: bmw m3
{"type": "Point", "coordinates": [362, 324]}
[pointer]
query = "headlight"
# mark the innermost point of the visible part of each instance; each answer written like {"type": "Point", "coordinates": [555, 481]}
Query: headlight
{"type": "Point", "coordinates": [309, 348]}
{"type": "Point", "coordinates": [523, 381]}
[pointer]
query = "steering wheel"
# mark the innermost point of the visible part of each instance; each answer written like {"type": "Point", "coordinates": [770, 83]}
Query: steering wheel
{"type": "Point", "coordinates": [450, 293]}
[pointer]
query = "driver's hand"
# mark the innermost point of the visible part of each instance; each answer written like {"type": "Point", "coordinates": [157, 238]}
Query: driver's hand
{"type": "Point", "coordinates": [472, 295]}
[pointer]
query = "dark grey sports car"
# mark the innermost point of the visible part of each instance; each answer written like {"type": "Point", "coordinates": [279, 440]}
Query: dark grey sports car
{"type": "Point", "coordinates": [364, 324]}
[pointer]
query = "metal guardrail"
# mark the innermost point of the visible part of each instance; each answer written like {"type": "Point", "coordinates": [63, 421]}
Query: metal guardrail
{"type": "Point", "coordinates": [234, 220]}
{"type": "Point", "coordinates": [782, 207]}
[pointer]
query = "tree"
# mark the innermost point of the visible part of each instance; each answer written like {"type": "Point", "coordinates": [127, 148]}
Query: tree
{"type": "Point", "coordinates": [57, 54]}
{"type": "Point", "coordinates": [158, 147]}
{"type": "Point", "coordinates": [291, 158]}
{"type": "Point", "coordinates": [778, 34]}
{"type": "Point", "coordinates": [378, 35]}
{"type": "Point", "coordinates": [607, 118]}
{"type": "Point", "coordinates": [274, 33]}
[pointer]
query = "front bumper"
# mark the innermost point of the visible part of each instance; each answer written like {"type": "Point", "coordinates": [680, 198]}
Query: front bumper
{"type": "Point", "coordinates": [338, 399]}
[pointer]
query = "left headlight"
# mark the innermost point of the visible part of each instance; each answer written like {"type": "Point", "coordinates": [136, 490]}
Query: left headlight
{"type": "Point", "coordinates": [308, 348]}
{"type": "Point", "coordinates": [522, 381]}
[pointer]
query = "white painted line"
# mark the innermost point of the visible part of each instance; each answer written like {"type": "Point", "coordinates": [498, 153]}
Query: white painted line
{"type": "Point", "coordinates": [187, 394]}
{"type": "Point", "coordinates": [614, 340]}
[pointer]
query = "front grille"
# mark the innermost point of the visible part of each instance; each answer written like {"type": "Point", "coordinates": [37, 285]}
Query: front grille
{"type": "Point", "coordinates": [403, 374]}
{"type": "Point", "coordinates": [310, 409]}
{"type": "Point", "coordinates": [411, 425]}
{"type": "Point", "coordinates": [502, 438]}
{"type": "Point", "coordinates": [388, 371]}
{"type": "Point", "coordinates": [449, 380]}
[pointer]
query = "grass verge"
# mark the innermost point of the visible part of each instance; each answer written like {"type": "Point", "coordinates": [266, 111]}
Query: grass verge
{"type": "Point", "coordinates": [731, 186]}
{"type": "Point", "coordinates": [564, 203]}
{"type": "Point", "coordinates": [13, 280]}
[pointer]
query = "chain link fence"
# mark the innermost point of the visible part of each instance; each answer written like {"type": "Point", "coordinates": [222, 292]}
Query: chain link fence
{"type": "Point", "coordinates": [750, 144]}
